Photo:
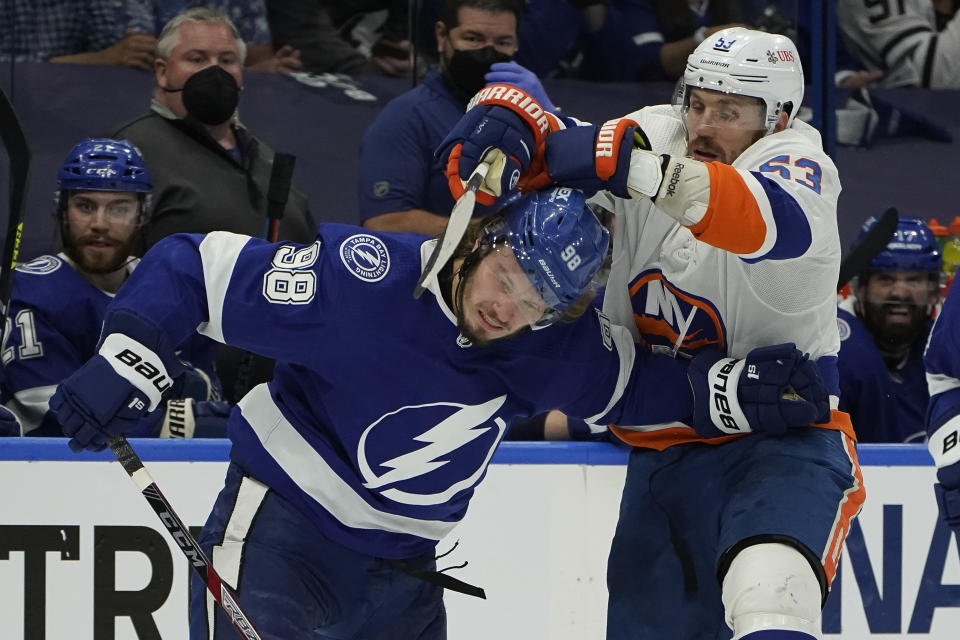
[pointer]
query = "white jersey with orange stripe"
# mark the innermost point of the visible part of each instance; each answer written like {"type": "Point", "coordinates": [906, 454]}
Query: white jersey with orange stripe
{"type": "Point", "coordinates": [900, 38]}
{"type": "Point", "coordinates": [760, 268]}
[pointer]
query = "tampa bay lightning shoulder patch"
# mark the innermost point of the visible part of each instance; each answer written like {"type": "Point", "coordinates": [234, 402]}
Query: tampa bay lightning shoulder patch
{"type": "Point", "coordinates": [41, 266]}
{"type": "Point", "coordinates": [366, 256]}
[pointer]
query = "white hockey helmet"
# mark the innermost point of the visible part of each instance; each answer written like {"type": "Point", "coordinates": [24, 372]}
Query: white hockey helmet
{"type": "Point", "coordinates": [749, 63]}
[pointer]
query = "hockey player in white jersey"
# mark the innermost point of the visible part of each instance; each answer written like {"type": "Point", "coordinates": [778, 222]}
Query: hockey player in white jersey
{"type": "Point", "coordinates": [914, 43]}
{"type": "Point", "coordinates": [725, 238]}
{"type": "Point", "coordinates": [58, 301]}
{"type": "Point", "coordinates": [384, 411]}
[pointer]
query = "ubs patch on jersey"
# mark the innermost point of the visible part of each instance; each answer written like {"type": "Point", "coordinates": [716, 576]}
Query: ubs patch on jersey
{"type": "Point", "coordinates": [365, 256]}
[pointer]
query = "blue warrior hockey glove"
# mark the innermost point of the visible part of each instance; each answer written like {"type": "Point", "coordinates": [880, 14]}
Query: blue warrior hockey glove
{"type": "Point", "coordinates": [772, 389]}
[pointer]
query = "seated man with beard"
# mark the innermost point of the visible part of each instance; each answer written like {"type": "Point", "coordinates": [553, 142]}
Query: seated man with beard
{"type": "Point", "coordinates": [58, 301]}
{"type": "Point", "coordinates": [883, 330]}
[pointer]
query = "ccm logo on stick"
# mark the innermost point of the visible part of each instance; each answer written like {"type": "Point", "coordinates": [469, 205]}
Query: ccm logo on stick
{"type": "Point", "coordinates": [145, 369]}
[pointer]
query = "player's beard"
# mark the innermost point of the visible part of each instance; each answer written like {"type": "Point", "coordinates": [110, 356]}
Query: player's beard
{"type": "Point", "coordinates": [894, 338]}
{"type": "Point", "coordinates": [107, 260]}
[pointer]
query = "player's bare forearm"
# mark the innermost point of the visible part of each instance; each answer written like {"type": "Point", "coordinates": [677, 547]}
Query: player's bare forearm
{"type": "Point", "coordinates": [410, 221]}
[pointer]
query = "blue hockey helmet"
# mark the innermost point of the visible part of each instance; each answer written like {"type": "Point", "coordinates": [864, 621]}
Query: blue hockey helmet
{"type": "Point", "coordinates": [912, 248]}
{"type": "Point", "coordinates": [103, 164]}
{"type": "Point", "coordinates": [558, 241]}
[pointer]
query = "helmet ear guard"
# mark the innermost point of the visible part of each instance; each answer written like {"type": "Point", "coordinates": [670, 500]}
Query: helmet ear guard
{"type": "Point", "coordinates": [750, 63]}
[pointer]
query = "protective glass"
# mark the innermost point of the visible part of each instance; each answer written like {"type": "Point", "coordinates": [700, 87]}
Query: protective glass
{"type": "Point", "coordinates": [122, 212]}
{"type": "Point", "coordinates": [512, 289]}
{"type": "Point", "coordinates": [721, 110]}
{"type": "Point", "coordinates": [895, 287]}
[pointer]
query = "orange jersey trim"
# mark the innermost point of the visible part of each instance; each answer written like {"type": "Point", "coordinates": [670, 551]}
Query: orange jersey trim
{"type": "Point", "coordinates": [733, 221]}
{"type": "Point", "coordinates": [671, 436]}
{"type": "Point", "coordinates": [849, 507]}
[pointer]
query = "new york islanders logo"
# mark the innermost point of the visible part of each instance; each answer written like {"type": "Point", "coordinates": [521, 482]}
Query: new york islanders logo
{"type": "Point", "coordinates": [446, 452]}
{"type": "Point", "coordinates": [665, 314]}
{"type": "Point", "coordinates": [365, 256]}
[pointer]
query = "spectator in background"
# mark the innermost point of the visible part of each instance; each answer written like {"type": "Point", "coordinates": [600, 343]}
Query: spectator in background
{"type": "Point", "coordinates": [84, 32]}
{"type": "Point", "coordinates": [59, 301]}
{"type": "Point", "coordinates": [248, 16]}
{"type": "Point", "coordinates": [942, 361]}
{"type": "Point", "coordinates": [912, 43]}
{"type": "Point", "coordinates": [650, 40]}
{"type": "Point", "coordinates": [210, 173]}
{"type": "Point", "coordinates": [883, 330]}
{"type": "Point", "coordinates": [402, 186]}
{"type": "Point", "coordinates": [308, 27]}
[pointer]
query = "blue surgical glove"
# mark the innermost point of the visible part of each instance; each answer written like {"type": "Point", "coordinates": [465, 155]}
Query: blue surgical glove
{"type": "Point", "coordinates": [521, 77]}
{"type": "Point", "coordinates": [771, 390]}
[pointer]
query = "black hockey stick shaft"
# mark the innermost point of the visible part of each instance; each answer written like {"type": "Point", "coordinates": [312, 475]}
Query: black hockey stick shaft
{"type": "Point", "coordinates": [867, 249]}
{"type": "Point", "coordinates": [18, 154]}
{"type": "Point", "coordinates": [222, 593]}
{"type": "Point", "coordinates": [278, 191]}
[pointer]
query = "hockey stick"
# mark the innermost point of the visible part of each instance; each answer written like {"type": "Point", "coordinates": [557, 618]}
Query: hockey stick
{"type": "Point", "coordinates": [222, 593]}
{"type": "Point", "coordinates": [18, 154]}
{"type": "Point", "coordinates": [278, 192]}
{"type": "Point", "coordinates": [456, 226]}
{"type": "Point", "coordinates": [867, 249]}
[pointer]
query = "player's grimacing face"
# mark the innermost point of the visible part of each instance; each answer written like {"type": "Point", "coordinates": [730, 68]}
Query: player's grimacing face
{"type": "Point", "coordinates": [722, 126]}
{"type": "Point", "coordinates": [498, 300]}
{"type": "Point", "coordinates": [898, 298]}
{"type": "Point", "coordinates": [101, 226]}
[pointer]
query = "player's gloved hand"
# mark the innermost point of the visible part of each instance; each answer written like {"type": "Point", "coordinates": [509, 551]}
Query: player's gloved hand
{"type": "Point", "coordinates": [772, 389]}
{"type": "Point", "coordinates": [522, 78]}
{"type": "Point", "coordinates": [9, 424]}
{"type": "Point", "coordinates": [944, 446]}
{"type": "Point", "coordinates": [96, 403]}
{"type": "Point", "coordinates": [505, 127]}
{"type": "Point", "coordinates": [598, 157]}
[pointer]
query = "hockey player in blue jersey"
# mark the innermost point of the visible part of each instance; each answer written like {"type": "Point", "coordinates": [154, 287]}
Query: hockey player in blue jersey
{"type": "Point", "coordinates": [942, 362]}
{"type": "Point", "coordinates": [883, 330]}
{"type": "Point", "coordinates": [58, 301]}
{"type": "Point", "coordinates": [385, 410]}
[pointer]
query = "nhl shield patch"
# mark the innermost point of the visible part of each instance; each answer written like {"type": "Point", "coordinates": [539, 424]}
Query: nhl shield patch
{"type": "Point", "coordinates": [365, 256]}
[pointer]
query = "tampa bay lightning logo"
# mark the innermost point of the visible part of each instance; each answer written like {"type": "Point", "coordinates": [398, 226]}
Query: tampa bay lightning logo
{"type": "Point", "coordinates": [41, 266]}
{"type": "Point", "coordinates": [365, 256]}
{"type": "Point", "coordinates": [665, 314]}
{"type": "Point", "coordinates": [844, 327]}
{"type": "Point", "coordinates": [447, 447]}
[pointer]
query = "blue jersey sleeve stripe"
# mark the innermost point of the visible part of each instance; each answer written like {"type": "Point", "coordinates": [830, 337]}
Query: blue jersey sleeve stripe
{"type": "Point", "coordinates": [830, 372]}
{"type": "Point", "coordinates": [793, 229]}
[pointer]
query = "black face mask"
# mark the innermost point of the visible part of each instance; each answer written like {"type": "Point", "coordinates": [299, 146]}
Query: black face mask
{"type": "Point", "coordinates": [211, 95]}
{"type": "Point", "coordinates": [464, 70]}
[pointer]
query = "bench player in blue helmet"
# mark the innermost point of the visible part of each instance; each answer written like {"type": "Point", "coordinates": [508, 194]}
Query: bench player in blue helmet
{"type": "Point", "coordinates": [883, 331]}
{"type": "Point", "coordinates": [385, 410]}
{"type": "Point", "coordinates": [58, 301]}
